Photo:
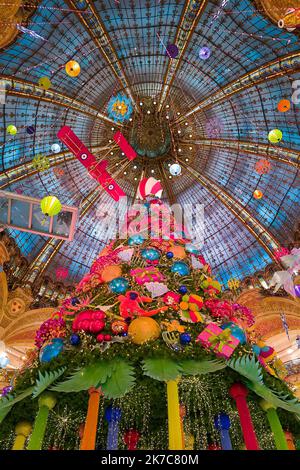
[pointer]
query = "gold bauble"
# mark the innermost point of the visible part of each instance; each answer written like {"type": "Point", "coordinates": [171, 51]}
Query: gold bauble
{"type": "Point", "coordinates": [72, 68]}
{"type": "Point", "coordinates": [143, 329]}
{"type": "Point", "coordinates": [111, 272]}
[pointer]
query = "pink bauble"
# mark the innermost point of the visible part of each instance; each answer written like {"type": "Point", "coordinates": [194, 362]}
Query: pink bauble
{"type": "Point", "coordinates": [96, 326]}
{"type": "Point", "coordinates": [84, 325]}
{"type": "Point", "coordinates": [100, 338]}
{"type": "Point", "coordinates": [98, 315]}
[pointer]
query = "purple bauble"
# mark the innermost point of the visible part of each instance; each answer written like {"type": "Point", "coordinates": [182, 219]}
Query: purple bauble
{"type": "Point", "coordinates": [204, 53]}
{"type": "Point", "coordinates": [172, 51]}
{"type": "Point", "coordinates": [297, 290]}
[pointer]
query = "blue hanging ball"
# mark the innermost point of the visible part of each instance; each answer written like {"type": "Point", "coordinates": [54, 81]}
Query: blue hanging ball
{"type": "Point", "coordinates": [180, 268]}
{"type": "Point", "coordinates": [74, 340]}
{"type": "Point", "coordinates": [119, 285]}
{"type": "Point", "coordinates": [75, 301]}
{"type": "Point", "coordinates": [185, 338]}
{"type": "Point", "coordinates": [236, 331]}
{"type": "Point", "coordinates": [150, 254]}
{"type": "Point", "coordinates": [30, 130]}
{"type": "Point", "coordinates": [169, 255]}
{"type": "Point", "coordinates": [182, 290]}
{"type": "Point", "coordinates": [51, 350]}
{"type": "Point", "coordinates": [136, 240]}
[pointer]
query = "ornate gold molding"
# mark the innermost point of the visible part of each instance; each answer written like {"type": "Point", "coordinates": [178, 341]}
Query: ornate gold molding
{"type": "Point", "coordinates": [275, 9]}
{"type": "Point", "coordinates": [12, 13]}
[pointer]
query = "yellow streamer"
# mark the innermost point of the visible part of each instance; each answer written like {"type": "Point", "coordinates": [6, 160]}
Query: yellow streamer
{"type": "Point", "coordinates": [174, 420]}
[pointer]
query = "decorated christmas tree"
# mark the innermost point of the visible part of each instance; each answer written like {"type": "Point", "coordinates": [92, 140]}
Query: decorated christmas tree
{"type": "Point", "coordinates": [147, 354]}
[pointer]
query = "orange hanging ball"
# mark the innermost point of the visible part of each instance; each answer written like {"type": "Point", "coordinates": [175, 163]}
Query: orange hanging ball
{"type": "Point", "coordinates": [283, 106]}
{"type": "Point", "coordinates": [72, 68]}
{"type": "Point", "coordinates": [143, 329]}
{"type": "Point", "coordinates": [111, 272]}
{"type": "Point", "coordinates": [178, 251]}
{"type": "Point", "coordinates": [257, 194]}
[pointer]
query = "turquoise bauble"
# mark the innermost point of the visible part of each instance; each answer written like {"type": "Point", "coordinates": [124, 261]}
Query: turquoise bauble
{"type": "Point", "coordinates": [119, 285]}
{"type": "Point", "coordinates": [136, 240]}
{"type": "Point", "coordinates": [180, 268]}
{"type": "Point", "coordinates": [192, 249]}
{"type": "Point", "coordinates": [150, 254]}
{"type": "Point", "coordinates": [51, 350]}
{"type": "Point", "coordinates": [236, 331]}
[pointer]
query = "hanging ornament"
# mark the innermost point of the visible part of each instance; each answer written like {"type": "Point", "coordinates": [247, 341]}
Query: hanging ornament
{"type": "Point", "coordinates": [30, 130]}
{"type": "Point", "coordinates": [119, 108]}
{"type": "Point", "coordinates": [119, 285]}
{"type": "Point", "coordinates": [11, 129]}
{"type": "Point", "coordinates": [275, 136]}
{"type": "Point", "coordinates": [257, 194]}
{"type": "Point", "coordinates": [283, 106]}
{"type": "Point", "coordinates": [204, 53]}
{"type": "Point", "coordinates": [136, 240]}
{"type": "Point", "coordinates": [175, 169]}
{"type": "Point", "coordinates": [143, 329]}
{"type": "Point", "coordinates": [55, 148]}
{"type": "Point", "coordinates": [51, 349]}
{"type": "Point", "coordinates": [72, 68]}
{"type": "Point", "coordinates": [45, 83]}
{"type": "Point", "coordinates": [180, 268]}
{"type": "Point", "coordinates": [185, 338]}
{"type": "Point", "coordinates": [118, 327]}
{"type": "Point", "coordinates": [263, 166]}
{"type": "Point", "coordinates": [172, 51]}
{"type": "Point", "coordinates": [150, 254]}
{"type": "Point", "coordinates": [74, 340]}
{"type": "Point", "coordinates": [297, 290]}
{"type": "Point", "coordinates": [149, 187]}
{"type": "Point", "coordinates": [50, 206]}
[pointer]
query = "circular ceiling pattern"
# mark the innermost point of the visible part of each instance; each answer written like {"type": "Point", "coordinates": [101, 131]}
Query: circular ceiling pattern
{"type": "Point", "coordinates": [212, 115]}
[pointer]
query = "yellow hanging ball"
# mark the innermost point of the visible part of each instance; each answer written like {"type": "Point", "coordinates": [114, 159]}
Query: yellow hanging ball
{"type": "Point", "coordinates": [50, 206]}
{"type": "Point", "coordinates": [275, 136]}
{"type": "Point", "coordinates": [257, 194]}
{"type": "Point", "coordinates": [143, 329]}
{"type": "Point", "coordinates": [11, 129]}
{"type": "Point", "coordinates": [45, 83]}
{"type": "Point", "coordinates": [72, 68]}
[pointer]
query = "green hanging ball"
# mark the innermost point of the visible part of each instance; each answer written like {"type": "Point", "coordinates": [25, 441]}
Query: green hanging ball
{"type": "Point", "coordinates": [11, 129]}
{"type": "Point", "coordinates": [50, 206]}
{"type": "Point", "coordinates": [275, 136]}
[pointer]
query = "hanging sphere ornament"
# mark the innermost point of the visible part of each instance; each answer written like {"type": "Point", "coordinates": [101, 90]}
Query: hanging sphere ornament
{"type": "Point", "coordinates": [72, 68]}
{"type": "Point", "coordinates": [172, 51]}
{"type": "Point", "coordinates": [182, 290]}
{"type": "Point", "coordinates": [119, 285]}
{"type": "Point", "coordinates": [257, 194]}
{"type": "Point", "coordinates": [75, 301]}
{"type": "Point", "coordinates": [11, 129]}
{"type": "Point", "coordinates": [192, 249]}
{"type": "Point", "coordinates": [180, 268]}
{"type": "Point", "coordinates": [169, 255]}
{"type": "Point", "coordinates": [74, 340]}
{"type": "Point", "coordinates": [284, 106]}
{"type": "Point", "coordinates": [275, 136]}
{"type": "Point", "coordinates": [45, 82]}
{"type": "Point", "coordinates": [150, 254]}
{"type": "Point", "coordinates": [136, 240]}
{"type": "Point", "coordinates": [55, 148]}
{"type": "Point", "coordinates": [204, 53]}
{"type": "Point", "coordinates": [30, 130]}
{"type": "Point", "coordinates": [297, 290]}
{"type": "Point", "coordinates": [143, 329]}
{"type": "Point", "coordinates": [185, 338]}
{"type": "Point", "coordinates": [175, 169]}
{"type": "Point", "coordinates": [119, 327]}
{"type": "Point", "coordinates": [50, 206]}
{"type": "Point", "coordinates": [51, 349]}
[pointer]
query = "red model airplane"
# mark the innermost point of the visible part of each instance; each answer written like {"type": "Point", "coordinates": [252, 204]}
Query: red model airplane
{"type": "Point", "coordinates": [125, 146]}
{"type": "Point", "coordinates": [96, 169]}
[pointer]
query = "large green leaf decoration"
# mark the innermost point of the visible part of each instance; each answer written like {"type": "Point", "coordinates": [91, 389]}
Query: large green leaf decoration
{"type": "Point", "coordinates": [120, 381]}
{"type": "Point", "coordinates": [6, 403]}
{"type": "Point", "coordinates": [192, 367]}
{"type": "Point", "coordinates": [247, 367]}
{"type": "Point", "coordinates": [89, 376]}
{"type": "Point", "coordinates": [45, 380]}
{"type": "Point", "coordinates": [162, 369]}
{"type": "Point", "coordinates": [278, 399]}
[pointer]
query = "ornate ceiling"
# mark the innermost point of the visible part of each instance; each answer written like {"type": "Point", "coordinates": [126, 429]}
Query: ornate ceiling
{"type": "Point", "coordinates": [214, 114]}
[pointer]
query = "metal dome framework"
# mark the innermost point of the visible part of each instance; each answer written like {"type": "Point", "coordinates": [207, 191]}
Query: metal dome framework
{"type": "Point", "coordinates": [229, 101]}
